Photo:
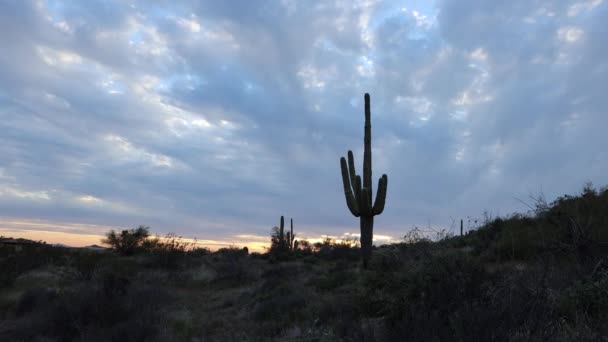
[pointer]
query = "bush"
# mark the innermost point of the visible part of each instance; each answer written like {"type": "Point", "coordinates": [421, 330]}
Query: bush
{"type": "Point", "coordinates": [169, 252]}
{"type": "Point", "coordinates": [232, 265]}
{"type": "Point", "coordinates": [111, 309]}
{"type": "Point", "coordinates": [331, 250]}
{"type": "Point", "coordinates": [127, 242]}
{"type": "Point", "coordinates": [35, 299]}
{"type": "Point", "coordinates": [87, 263]}
{"type": "Point", "coordinates": [31, 257]}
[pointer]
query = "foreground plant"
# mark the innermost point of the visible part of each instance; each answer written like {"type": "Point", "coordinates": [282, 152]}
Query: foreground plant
{"type": "Point", "coordinates": [358, 196]}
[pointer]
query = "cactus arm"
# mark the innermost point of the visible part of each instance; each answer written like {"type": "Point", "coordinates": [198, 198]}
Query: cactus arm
{"type": "Point", "coordinates": [351, 167]}
{"type": "Point", "coordinates": [358, 188]}
{"type": "Point", "coordinates": [348, 191]}
{"type": "Point", "coordinates": [353, 176]}
{"type": "Point", "coordinates": [380, 195]}
{"type": "Point", "coordinates": [365, 205]}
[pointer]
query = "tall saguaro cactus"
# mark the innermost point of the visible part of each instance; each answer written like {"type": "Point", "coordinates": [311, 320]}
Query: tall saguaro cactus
{"type": "Point", "coordinates": [292, 238]}
{"type": "Point", "coordinates": [358, 196]}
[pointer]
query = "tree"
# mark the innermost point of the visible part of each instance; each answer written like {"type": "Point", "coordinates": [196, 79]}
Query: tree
{"type": "Point", "coordinates": [127, 242]}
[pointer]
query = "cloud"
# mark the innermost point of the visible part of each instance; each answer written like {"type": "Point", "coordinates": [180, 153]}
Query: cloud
{"type": "Point", "coordinates": [212, 120]}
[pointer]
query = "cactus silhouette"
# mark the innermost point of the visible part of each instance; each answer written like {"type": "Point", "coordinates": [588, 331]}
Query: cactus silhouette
{"type": "Point", "coordinates": [283, 241]}
{"type": "Point", "coordinates": [359, 196]}
{"type": "Point", "coordinates": [292, 238]}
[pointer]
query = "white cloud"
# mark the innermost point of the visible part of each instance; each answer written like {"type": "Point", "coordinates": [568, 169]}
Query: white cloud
{"type": "Point", "coordinates": [15, 192]}
{"type": "Point", "coordinates": [583, 6]}
{"type": "Point", "coordinates": [570, 34]}
{"type": "Point", "coordinates": [190, 24]}
{"type": "Point", "coordinates": [58, 57]}
{"type": "Point", "coordinates": [124, 150]}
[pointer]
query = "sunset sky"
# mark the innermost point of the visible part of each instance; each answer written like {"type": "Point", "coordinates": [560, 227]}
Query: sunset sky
{"type": "Point", "coordinates": [211, 119]}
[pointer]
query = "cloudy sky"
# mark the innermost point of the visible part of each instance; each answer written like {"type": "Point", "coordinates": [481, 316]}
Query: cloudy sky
{"type": "Point", "coordinates": [211, 119]}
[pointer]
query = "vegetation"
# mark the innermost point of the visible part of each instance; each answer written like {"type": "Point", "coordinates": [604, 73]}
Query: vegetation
{"type": "Point", "coordinates": [127, 242]}
{"type": "Point", "coordinates": [359, 199]}
{"type": "Point", "coordinates": [539, 276]}
{"type": "Point", "coordinates": [283, 244]}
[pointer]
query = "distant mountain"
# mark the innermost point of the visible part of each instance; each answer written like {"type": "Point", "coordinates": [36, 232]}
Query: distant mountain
{"type": "Point", "coordinates": [95, 248]}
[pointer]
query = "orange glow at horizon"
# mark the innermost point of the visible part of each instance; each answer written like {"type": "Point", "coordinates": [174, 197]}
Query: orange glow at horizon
{"type": "Point", "coordinates": [81, 235]}
{"type": "Point", "coordinates": [82, 240]}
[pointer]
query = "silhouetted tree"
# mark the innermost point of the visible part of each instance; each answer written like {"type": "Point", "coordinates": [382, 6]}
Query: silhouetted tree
{"type": "Point", "coordinates": [127, 242]}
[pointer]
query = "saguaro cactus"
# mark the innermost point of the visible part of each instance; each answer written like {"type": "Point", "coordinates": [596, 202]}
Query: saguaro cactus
{"type": "Point", "coordinates": [282, 234]}
{"type": "Point", "coordinates": [283, 240]}
{"type": "Point", "coordinates": [358, 197]}
{"type": "Point", "coordinates": [292, 238]}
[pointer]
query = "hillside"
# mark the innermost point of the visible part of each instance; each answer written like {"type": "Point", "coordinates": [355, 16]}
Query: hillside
{"type": "Point", "coordinates": [536, 277]}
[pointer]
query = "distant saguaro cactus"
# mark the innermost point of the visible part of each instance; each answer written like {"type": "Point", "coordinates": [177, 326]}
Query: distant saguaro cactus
{"type": "Point", "coordinates": [291, 237]}
{"type": "Point", "coordinates": [359, 198]}
{"type": "Point", "coordinates": [282, 234]}
{"type": "Point", "coordinates": [282, 241]}
{"type": "Point", "coordinates": [460, 227]}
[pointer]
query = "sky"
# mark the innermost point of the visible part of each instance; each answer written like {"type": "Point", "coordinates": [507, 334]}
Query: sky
{"type": "Point", "coordinates": [211, 119]}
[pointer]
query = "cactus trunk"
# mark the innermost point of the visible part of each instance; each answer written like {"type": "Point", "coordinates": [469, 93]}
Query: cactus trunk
{"type": "Point", "coordinates": [367, 234]}
{"type": "Point", "coordinates": [367, 150]}
{"type": "Point", "coordinates": [291, 237]}
{"type": "Point", "coordinates": [282, 233]}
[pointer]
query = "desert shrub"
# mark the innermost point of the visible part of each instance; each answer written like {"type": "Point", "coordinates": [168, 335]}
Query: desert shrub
{"type": "Point", "coordinates": [232, 266]}
{"type": "Point", "coordinates": [31, 257]}
{"type": "Point", "coordinates": [519, 304]}
{"type": "Point", "coordinates": [580, 224]}
{"type": "Point", "coordinates": [109, 310]}
{"type": "Point", "coordinates": [330, 250]}
{"type": "Point", "coordinates": [279, 301]}
{"type": "Point", "coordinates": [480, 240]}
{"type": "Point", "coordinates": [35, 299]}
{"type": "Point", "coordinates": [520, 239]}
{"type": "Point", "coordinates": [335, 277]}
{"type": "Point", "coordinates": [169, 253]}
{"type": "Point", "coordinates": [304, 248]}
{"type": "Point", "coordinates": [11, 269]}
{"type": "Point", "coordinates": [258, 255]}
{"type": "Point", "coordinates": [386, 258]}
{"type": "Point", "coordinates": [281, 272]}
{"type": "Point", "coordinates": [232, 253]}
{"type": "Point", "coordinates": [415, 235]}
{"type": "Point", "coordinates": [422, 303]}
{"type": "Point", "coordinates": [284, 304]}
{"type": "Point", "coordinates": [587, 299]}
{"type": "Point", "coordinates": [199, 251]}
{"type": "Point", "coordinates": [86, 264]}
{"type": "Point", "coordinates": [127, 242]}
{"type": "Point", "coordinates": [342, 313]}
